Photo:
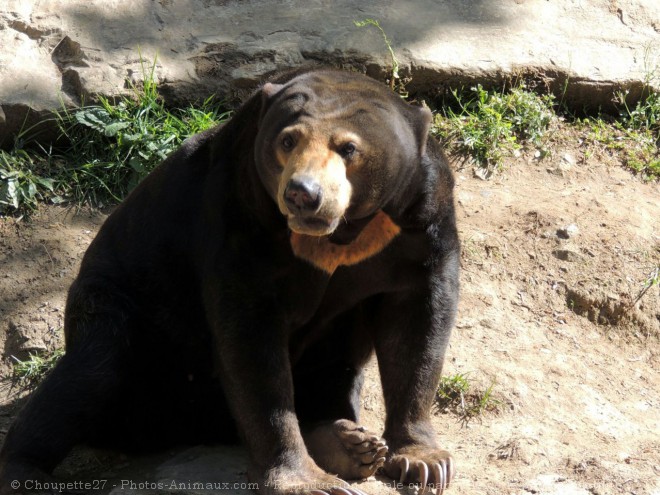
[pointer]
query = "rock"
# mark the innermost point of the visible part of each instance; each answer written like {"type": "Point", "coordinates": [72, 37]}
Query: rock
{"type": "Point", "coordinates": [465, 323]}
{"type": "Point", "coordinates": [21, 342]}
{"type": "Point", "coordinates": [565, 164]}
{"type": "Point", "coordinates": [198, 470]}
{"type": "Point", "coordinates": [483, 173]}
{"type": "Point", "coordinates": [63, 50]}
{"type": "Point", "coordinates": [567, 255]}
{"type": "Point", "coordinates": [554, 484]}
{"type": "Point", "coordinates": [487, 323]}
{"type": "Point", "coordinates": [202, 470]}
{"type": "Point", "coordinates": [568, 232]}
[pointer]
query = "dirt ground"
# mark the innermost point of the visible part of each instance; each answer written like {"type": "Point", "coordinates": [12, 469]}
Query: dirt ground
{"type": "Point", "coordinates": [555, 252]}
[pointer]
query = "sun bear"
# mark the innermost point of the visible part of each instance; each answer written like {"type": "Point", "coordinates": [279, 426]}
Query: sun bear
{"type": "Point", "coordinates": [239, 290]}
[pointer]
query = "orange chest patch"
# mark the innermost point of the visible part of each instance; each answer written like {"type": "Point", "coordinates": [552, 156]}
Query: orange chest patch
{"type": "Point", "coordinates": [323, 254]}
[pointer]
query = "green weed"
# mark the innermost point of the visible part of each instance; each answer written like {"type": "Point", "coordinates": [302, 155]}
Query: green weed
{"type": "Point", "coordinates": [488, 124]}
{"type": "Point", "coordinates": [21, 183]}
{"type": "Point", "coordinates": [29, 373]}
{"type": "Point", "coordinates": [631, 138]}
{"type": "Point", "coordinates": [652, 280]}
{"type": "Point", "coordinates": [639, 128]}
{"type": "Point", "coordinates": [112, 146]}
{"type": "Point", "coordinates": [396, 82]}
{"type": "Point", "coordinates": [456, 394]}
{"type": "Point", "coordinates": [635, 135]}
{"type": "Point", "coordinates": [645, 114]}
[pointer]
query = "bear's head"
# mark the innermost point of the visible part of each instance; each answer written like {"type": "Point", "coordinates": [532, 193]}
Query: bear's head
{"type": "Point", "coordinates": [335, 147]}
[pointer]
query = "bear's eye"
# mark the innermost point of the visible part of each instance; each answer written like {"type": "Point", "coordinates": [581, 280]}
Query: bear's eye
{"type": "Point", "coordinates": [348, 150]}
{"type": "Point", "coordinates": [287, 143]}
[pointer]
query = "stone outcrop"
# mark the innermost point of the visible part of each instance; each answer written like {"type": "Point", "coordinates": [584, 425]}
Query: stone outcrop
{"type": "Point", "coordinates": [61, 51]}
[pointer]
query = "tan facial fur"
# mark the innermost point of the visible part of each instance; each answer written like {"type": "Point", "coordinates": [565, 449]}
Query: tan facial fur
{"type": "Point", "coordinates": [314, 155]}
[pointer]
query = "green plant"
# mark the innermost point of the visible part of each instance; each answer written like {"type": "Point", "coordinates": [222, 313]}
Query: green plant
{"type": "Point", "coordinates": [645, 114]}
{"type": "Point", "coordinates": [634, 136]}
{"type": "Point", "coordinates": [29, 373]}
{"type": "Point", "coordinates": [489, 124]}
{"type": "Point", "coordinates": [637, 131]}
{"type": "Point", "coordinates": [396, 82]}
{"type": "Point", "coordinates": [472, 250]}
{"type": "Point", "coordinates": [20, 183]}
{"type": "Point", "coordinates": [452, 389]}
{"type": "Point", "coordinates": [652, 280]}
{"type": "Point", "coordinates": [114, 145]}
{"type": "Point", "coordinates": [456, 394]}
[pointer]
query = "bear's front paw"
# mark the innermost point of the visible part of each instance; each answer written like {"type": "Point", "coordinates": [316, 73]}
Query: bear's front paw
{"type": "Point", "coordinates": [308, 479]}
{"type": "Point", "coordinates": [423, 465]}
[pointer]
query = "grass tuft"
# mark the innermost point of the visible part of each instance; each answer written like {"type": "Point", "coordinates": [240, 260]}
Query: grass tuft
{"type": "Point", "coordinates": [456, 394]}
{"type": "Point", "coordinates": [488, 124]}
{"type": "Point", "coordinates": [112, 146]}
{"type": "Point", "coordinates": [635, 135]}
{"type": "Point", "coordinates": [24, 180]}
{"type": "Point", "coordinates": [29, 373]}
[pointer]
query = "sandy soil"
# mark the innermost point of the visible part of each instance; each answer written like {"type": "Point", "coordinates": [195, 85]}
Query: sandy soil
{"type": "Point", "coordinates": [546, 315]}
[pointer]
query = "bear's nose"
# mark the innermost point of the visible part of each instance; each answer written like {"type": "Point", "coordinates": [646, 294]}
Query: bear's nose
{"type": "Point", "coordinates": [303, 194]}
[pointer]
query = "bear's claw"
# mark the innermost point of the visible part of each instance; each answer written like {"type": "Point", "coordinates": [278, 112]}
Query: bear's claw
{"type": "Point", "coordinates": [337, 491]}
{"type": "Point", "coordinates": [438, 474]}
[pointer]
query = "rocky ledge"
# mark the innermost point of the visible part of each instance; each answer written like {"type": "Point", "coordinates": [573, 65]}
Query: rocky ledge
{"type": "Point", "coordinates": [59, 52]}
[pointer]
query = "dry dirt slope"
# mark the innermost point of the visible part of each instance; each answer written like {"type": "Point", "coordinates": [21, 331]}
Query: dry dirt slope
{"type": "Point", "coordinates": [545, 318]}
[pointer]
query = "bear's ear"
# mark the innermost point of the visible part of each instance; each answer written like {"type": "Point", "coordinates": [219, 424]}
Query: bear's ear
{"type": "Point", "coordinates": [268, 90]}
{"type": "Point", "coordinates": [421, 118]}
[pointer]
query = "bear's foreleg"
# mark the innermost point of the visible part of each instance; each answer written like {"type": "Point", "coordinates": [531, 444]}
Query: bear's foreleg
{"type": "Point", "coordinates": [413, 331]}
{"type": "Point", "coordinates": [256, 376]}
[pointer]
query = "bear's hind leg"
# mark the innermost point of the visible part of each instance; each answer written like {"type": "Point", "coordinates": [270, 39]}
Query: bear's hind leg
{"type": "Point", "coordinates": [63, 411]}
{"type": "Point", "coordinates": [344, 448]}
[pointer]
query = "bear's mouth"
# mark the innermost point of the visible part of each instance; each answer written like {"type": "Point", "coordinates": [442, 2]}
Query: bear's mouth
{"type": "Point", "coordinates": [316, 226]}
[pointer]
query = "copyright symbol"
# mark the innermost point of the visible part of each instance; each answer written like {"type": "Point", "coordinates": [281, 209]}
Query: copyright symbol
{"type": "Point", "coordinates": [15, 484]}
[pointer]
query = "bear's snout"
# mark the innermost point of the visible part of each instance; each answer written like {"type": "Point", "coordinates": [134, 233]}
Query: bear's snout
{"type": "Point", "coordinates": [303, 195]}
